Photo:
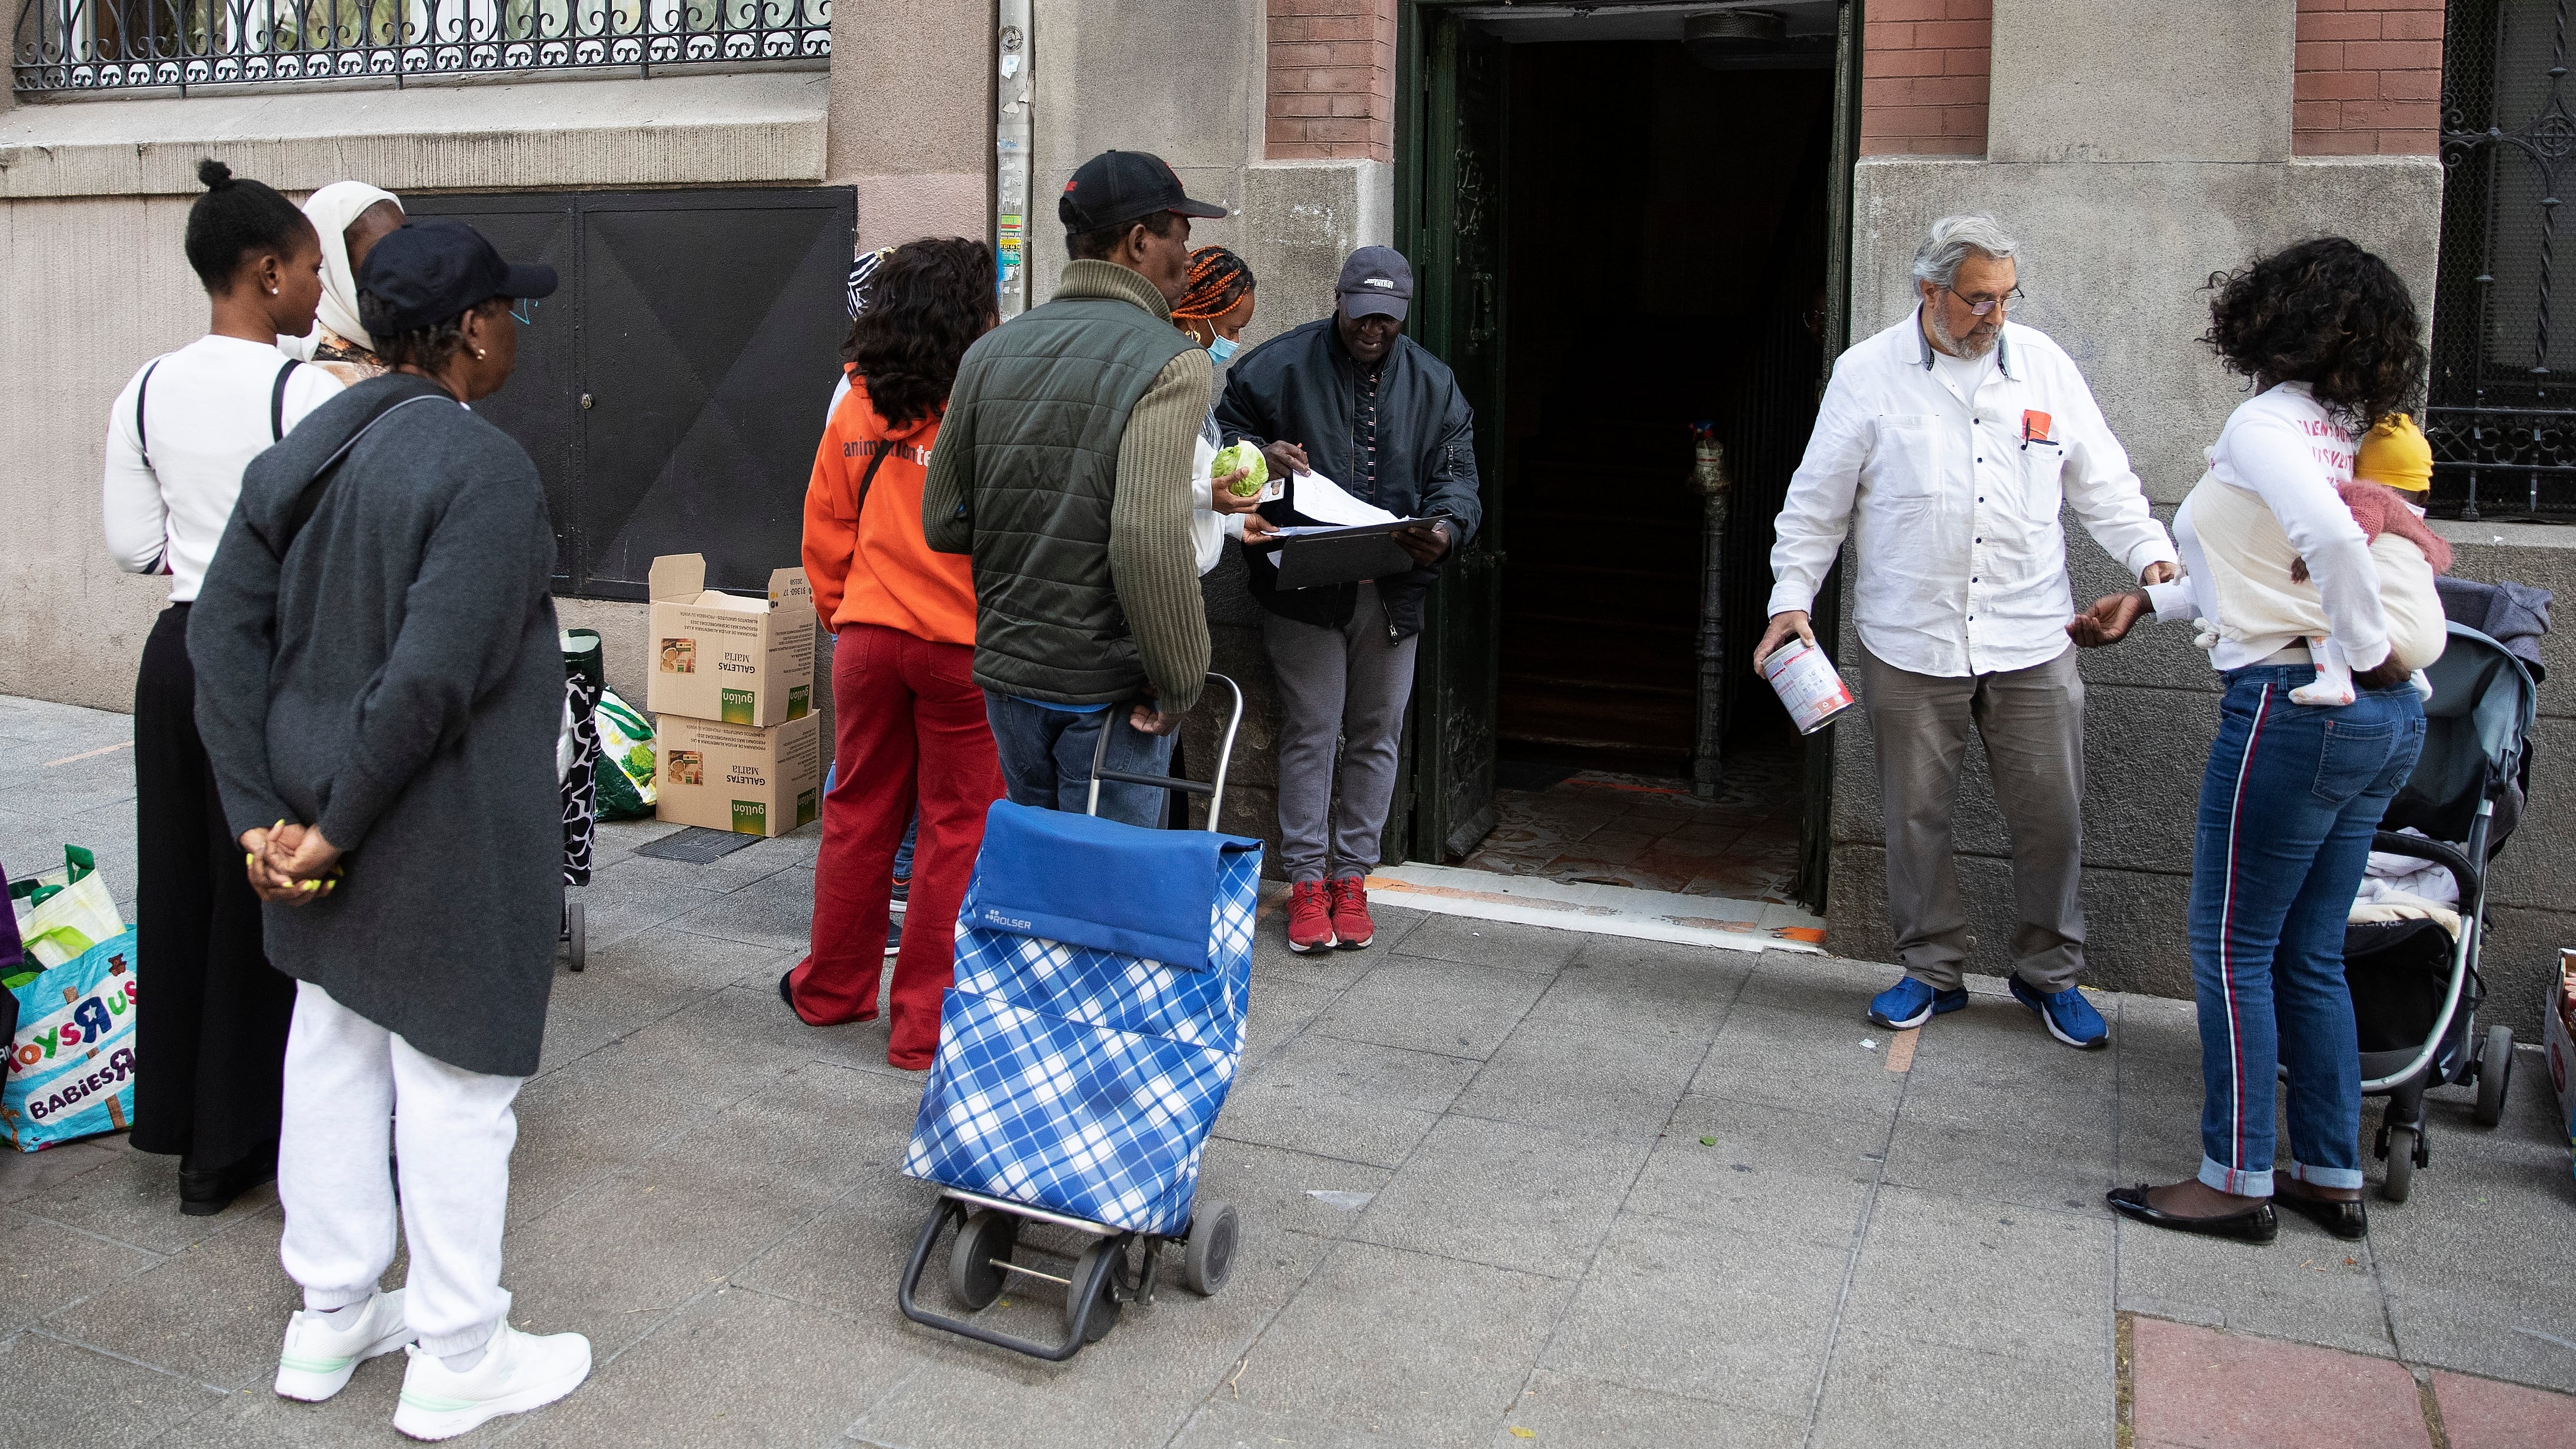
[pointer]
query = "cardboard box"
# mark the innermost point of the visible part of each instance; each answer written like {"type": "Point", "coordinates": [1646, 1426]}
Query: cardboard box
{"type": "Point", "coordinates": [740, 778]}
{"type": "Point", "coordinates": [722, 657]}
{"type": "Point", "coordinates": [2558, 1041]}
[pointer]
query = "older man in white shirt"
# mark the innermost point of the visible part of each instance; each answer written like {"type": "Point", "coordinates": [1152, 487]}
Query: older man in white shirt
{"type": "Point", "coordinates": [1946, 444]}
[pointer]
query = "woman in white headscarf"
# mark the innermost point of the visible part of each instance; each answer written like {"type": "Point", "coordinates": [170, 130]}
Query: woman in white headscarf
{"type": "Point", "coordinates": [351, 217]}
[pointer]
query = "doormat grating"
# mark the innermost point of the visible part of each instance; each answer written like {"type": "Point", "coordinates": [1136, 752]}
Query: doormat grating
{"type": "Point", "coordinates": [696, 845]}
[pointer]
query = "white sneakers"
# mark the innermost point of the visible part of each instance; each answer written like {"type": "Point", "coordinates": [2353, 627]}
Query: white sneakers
{"type": "Point", "coordinates": [517, 1373]}
{"type": "Point", "coordinates": [318, 1359]}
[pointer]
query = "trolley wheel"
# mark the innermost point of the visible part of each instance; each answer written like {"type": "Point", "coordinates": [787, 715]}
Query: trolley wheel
{"type": "Point", "coordinates": [577, 935]}
{"type": "Point", "coordinates": [1095, 1276]}
{"type": "Point", "coordinates": [1209, 1259]}
{"type": "Point", "coordinates": [2495, 1075]}
{"type": "Point", "coordinates": [2401, 1163]}
{"type": "Point", "coordinates": [973, 1280]}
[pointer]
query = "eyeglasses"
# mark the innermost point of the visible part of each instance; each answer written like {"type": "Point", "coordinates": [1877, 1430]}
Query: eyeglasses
{"type": "Point", "coordinates": [1980, 309]}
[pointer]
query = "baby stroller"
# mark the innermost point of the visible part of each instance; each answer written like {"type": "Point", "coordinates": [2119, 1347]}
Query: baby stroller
{"type": "Point", "coordinates": [1084, 1051]}
{"type": "Point", "coordinates": [2416, 990]}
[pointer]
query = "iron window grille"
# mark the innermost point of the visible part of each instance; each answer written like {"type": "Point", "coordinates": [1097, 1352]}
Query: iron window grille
{"type": "Point", "coordinates": [81, 45]}
{"type": "Point", "coordinates": [2500, 412]}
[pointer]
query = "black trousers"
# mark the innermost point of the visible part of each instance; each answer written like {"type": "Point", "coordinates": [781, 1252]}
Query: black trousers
{"type": "Point", "coordinates": [210, 1028]}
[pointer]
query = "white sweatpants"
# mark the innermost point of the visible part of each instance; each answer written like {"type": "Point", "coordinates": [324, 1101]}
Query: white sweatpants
{"type": "Point", "coordinates": [351, 1084]}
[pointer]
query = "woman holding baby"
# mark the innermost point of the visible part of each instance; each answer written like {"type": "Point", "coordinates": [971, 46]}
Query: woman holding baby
{"type": "Point", "coordinates": [2294, 574]}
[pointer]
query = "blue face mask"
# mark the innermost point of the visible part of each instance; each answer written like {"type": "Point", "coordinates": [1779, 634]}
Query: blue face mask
{"type": "Point", "coordinates": [1221, 350]}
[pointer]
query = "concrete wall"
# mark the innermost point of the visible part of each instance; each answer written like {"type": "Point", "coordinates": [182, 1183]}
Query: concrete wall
{"type": "Point", "coordinates": [94, 196]}
{"type": "Point", "coordinates": [2135, 153]}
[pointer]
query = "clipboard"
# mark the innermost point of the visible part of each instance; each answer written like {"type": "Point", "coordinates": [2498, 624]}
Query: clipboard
{"type": "Point", "coordinates": [1311, 557]}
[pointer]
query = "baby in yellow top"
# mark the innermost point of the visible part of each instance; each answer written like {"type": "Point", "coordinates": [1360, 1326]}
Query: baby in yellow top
{"type": "Point", "coordinates": [2392, 475]}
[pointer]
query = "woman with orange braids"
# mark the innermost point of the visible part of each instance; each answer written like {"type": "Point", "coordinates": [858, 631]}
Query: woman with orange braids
{"type": "Point", "coordinates": [1214, 311]}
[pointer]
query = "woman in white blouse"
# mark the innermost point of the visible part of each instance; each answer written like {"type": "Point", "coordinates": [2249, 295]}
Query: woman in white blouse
{"type": "Point", "coordinates": [2293, 792]}
{"type": "Point", "coordinates": [178, 437]}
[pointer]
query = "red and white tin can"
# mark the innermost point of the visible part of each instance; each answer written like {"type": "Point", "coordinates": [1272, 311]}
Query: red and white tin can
{"type": "Point", "coordinates": [1807, 685]}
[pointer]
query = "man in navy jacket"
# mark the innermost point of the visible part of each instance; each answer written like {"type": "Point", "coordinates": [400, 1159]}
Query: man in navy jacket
{"type": "Point", "coordinates": [1352, 398]}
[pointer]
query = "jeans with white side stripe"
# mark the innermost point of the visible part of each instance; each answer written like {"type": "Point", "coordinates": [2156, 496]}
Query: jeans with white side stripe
{"type": "Point", "coordinates": [2288, 805]}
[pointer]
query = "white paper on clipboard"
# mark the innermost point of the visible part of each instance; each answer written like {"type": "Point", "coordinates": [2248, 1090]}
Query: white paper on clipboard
{"type": "Point", "coordinates": [1323, 500]}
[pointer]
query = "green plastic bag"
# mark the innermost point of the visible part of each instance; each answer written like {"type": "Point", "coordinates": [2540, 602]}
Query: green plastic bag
{"type": "Point", "coordinates": [627, 764]}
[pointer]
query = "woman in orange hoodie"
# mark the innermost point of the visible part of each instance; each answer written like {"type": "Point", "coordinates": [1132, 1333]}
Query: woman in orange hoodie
{"type": "Point", "coordinates": [909, 718]}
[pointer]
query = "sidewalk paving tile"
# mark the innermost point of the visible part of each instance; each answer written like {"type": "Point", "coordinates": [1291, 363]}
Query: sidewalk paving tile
{"type": "Point", "coordinates": [81, 1399]}
{"type": "Point", "coordinates": [1474, 942]}
{"type": "Point", "coordinates": [1434, 1006]}
{"type": "Point", "coordinates": [237, 1305]}
{"type": "Point", "coordinates": [1788, 1175]}
{"type": "Point", "coordinates": [1647, 989]}
{"type": "Point", "coordinates": [1801, 1061]}
{"type": "Point", "coordinates": [1225, 1423]}
{"type": "Point", "coordinates": [1402, 1344]}
{"type": "Point", "coordinates": [811, 1375]}
{"type": "Point", "coordinates": [1560, 1409]}
{"type": "Point", "coordinates": [134, 1199]}
{"type": "Point", "coordinates": [2485, 1414]}
{"type": "Point", "coordinates": [1584, 1079]}
{"type": "Point", "coordinates": [776, 911]}
{"type": "Point", "coordinates": [2002, 1279]}
{"type": "Point", "coordinates": [2298, 1286]}
{"type": "Point", "coordinates": [1346, 1099]}
{"type": "Point", "coordinates": [25, 1174]}
{"type": "Point", "coordinates": [1739, 1318]}
{"type": "Point", "coordinates": [1884, 1384]}
{"type": "Point", "coordinates": [44, 1267]}
{"type": "Point", "coordinates": [1274, 1188]}
{"type": "Point", "coordinates": [2197, 1388]}
{"type": "Point", "coordinates": [1513, 1197]}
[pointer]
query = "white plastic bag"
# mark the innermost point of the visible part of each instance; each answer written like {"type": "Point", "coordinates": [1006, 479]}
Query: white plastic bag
{"type": "Point", "coordinates": [63, 913]}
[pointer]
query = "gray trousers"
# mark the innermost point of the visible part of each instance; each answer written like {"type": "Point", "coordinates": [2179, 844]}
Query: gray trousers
{"type": "Point", "coordinates": [2032, 723]}
{"type": "Point", "coordinates": [1353, 683]}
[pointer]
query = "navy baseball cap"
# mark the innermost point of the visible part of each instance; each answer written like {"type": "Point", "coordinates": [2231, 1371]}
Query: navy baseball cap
{"type": "Point", "coordinates": [430, 271]}
{"type": "Point", "coordinates": [1117, 187]}
{"type": "Point", "coordinates": [1375, 282]}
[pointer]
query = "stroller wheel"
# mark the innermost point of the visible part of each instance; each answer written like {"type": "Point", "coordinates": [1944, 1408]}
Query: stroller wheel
{"type": "Point", "coordinates": [1094, 1279]}
{"type": "Point", "coordinates": [2495, 1075]}
{"type": "Point", "coordinates": [576, 934]}
{"type": "Point", "coordinates": [2401, 1164]}
{"type": "Point", "coordinates": [973, 1280]}
{"type": "Point", "coordinates": [1214, 1231]}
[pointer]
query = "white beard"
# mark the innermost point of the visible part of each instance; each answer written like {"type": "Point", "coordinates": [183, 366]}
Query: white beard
{"type": "Point", "coordinates": [1967, 348]}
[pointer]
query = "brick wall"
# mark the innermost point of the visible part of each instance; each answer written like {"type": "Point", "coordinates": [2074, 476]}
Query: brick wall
{"type": "Point", "coordinates": [2369, 78]}
{"type": "Point", "coordinates": [1924, 69]}
{"type": "Point", "coordinates": [1332, 80]}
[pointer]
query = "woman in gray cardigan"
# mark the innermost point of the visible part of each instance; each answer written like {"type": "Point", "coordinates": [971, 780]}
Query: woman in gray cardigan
{"type": "Point", "coordinates": [379, 687]}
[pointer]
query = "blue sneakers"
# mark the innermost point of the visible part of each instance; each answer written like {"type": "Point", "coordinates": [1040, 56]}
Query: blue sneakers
{"type": "Point", "coordinates": [1910, 1003]}
{"type": "Point", "coordinates": [2067, 1015]}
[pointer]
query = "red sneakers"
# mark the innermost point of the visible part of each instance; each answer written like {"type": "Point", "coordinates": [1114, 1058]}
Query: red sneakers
{"type": "Point", "coordinates": [1310, 917]}
{"type": "Point", "coordinates": [1351, 923]}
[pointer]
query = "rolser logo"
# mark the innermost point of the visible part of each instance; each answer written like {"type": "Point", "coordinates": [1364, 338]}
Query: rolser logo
{"type": "Point", "coordinates": [994, 917]}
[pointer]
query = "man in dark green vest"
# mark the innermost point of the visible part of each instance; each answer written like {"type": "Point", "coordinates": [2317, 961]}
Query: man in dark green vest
{"type": "Point", "coordinates": [1065, 467]}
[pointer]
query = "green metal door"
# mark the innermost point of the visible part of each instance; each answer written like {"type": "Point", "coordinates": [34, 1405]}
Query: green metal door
{"type": "Point", "coordinates": [1456, 245]}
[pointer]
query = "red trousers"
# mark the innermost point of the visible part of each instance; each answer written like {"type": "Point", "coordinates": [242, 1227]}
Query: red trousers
{"type": "Point", "coordinates": [910, 729]}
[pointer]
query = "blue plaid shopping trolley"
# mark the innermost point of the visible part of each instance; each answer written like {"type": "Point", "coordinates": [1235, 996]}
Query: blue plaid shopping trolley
{"type": "Point", "coordinates": [1089, 1040]}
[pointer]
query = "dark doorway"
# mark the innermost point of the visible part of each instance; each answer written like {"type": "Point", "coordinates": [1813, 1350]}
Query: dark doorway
{"type": "Point", "coordinates": [672, 391]}
{"type": "Point", "coordinates": [1624, 218]}
{"type": "Point", "coordinates": [1667, 234]}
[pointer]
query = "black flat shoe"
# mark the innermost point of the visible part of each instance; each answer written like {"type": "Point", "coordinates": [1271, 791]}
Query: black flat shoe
{"type": "Point", "coordinates": [786, 995]}
{"type": "Point", "coordinates": [2257, 1224]}
{"type": "Point", "coordinates": [204, 1193]}
{"type": "Point", "coordinates": [2346, 1219]}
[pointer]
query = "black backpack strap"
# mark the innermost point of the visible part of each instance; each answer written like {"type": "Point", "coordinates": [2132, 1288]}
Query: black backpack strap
{"type": "Point", "coordinates": [310, 498]}
{"type": "Point", "coordinates": [859, 515]}
{"type": "Point", "coordinates": [277, 401]}
{"type": "Point", "coordinates": [142, 390]}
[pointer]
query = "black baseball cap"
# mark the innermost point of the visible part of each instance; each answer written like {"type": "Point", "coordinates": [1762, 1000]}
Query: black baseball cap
{"type": "Point", "coordinates": [1375, 282]}
{"type": "Point", "coordinates": [429, 271]}
{"type": "Point", "coordinates": [1117, 187]}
